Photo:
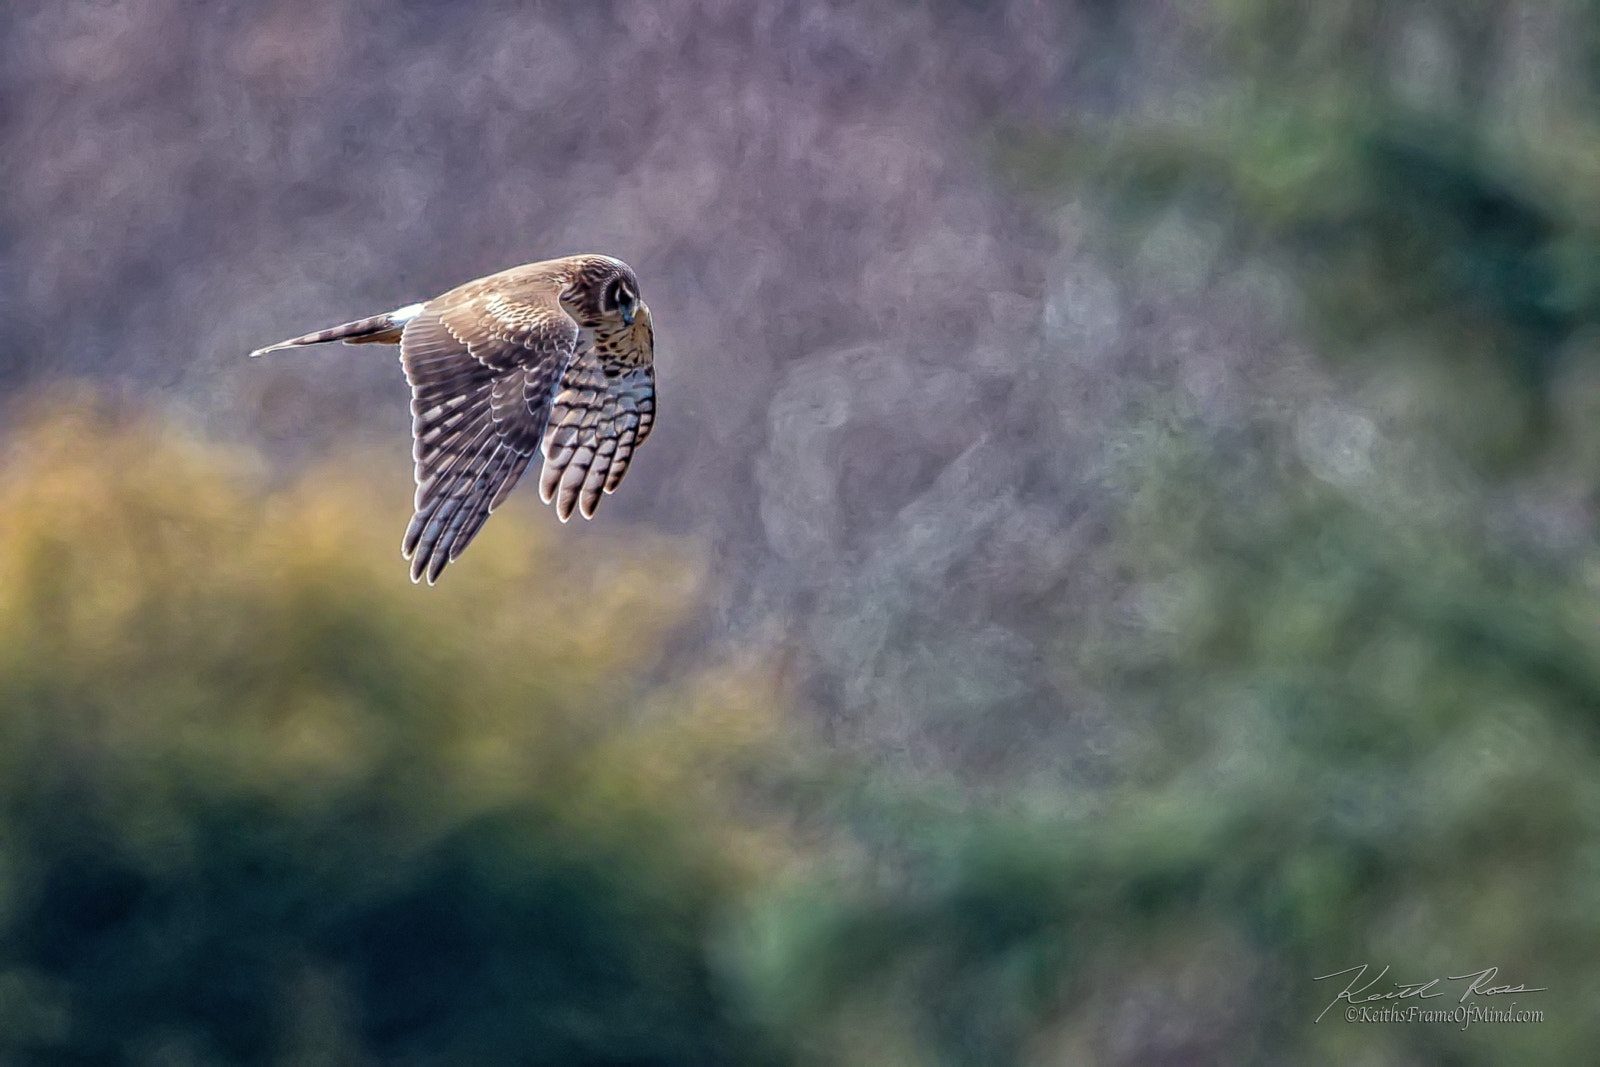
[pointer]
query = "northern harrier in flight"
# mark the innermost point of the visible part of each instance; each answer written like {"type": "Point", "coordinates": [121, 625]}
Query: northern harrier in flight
{"type": "Point", "coordinates": [551, 359]}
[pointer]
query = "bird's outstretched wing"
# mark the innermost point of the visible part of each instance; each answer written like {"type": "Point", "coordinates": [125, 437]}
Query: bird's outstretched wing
{"type": "Point", "coordinates": [598, 417]}
{"type": "Point", "coordinates": [482, 368]}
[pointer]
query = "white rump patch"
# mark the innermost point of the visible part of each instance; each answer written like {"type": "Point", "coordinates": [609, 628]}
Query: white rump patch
{"type": "Point", "coordinates": [405, 314]}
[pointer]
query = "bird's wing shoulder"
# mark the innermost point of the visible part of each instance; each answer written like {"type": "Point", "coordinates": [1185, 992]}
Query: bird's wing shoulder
{"type": "Point", "coordinates": [509, 319]}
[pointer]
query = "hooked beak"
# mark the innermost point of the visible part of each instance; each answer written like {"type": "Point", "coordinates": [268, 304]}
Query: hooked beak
{"type": "Point", "coordinates": [627, 316]}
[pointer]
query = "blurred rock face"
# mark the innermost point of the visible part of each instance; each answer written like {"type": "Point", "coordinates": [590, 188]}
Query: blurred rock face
{"type": "Point", "coordinates": [857, 405]}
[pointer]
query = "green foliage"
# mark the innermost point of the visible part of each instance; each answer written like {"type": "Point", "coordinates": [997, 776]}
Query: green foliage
{"type": "Point", "coordinates": [264, 801]}
{"type": "Point", "coordinates": [1357, 696]}
{"type": "Point", "coordinates": [1351, 738]}
{"type": "Point", "coordinates": [1428, 186]}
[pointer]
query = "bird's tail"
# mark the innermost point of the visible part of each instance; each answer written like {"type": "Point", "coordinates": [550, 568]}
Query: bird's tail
{"type": "Point", "coordinates": [382, 329]}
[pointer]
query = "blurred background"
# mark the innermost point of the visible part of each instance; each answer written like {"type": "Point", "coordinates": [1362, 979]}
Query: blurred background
{"type": "Point", "coordinates": [1119, 542]}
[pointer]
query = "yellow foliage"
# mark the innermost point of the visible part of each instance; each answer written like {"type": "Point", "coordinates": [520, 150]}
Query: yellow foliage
{"type": "Point", "coordinates": [165, 612]}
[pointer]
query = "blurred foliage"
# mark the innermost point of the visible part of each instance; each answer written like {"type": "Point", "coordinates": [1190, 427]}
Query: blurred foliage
{"type": "Point", "coordinates": [1359, 688]}
{"type": "Point", "coordinates": [264, 801]}
{"type": "Point", "coordinates": [1351, 739]}
{"type": "Point", "coordinates": [1426, 173]}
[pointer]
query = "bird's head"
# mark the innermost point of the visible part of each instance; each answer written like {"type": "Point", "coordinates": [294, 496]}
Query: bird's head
{"type": "Point", "coordinates": [606, 293]}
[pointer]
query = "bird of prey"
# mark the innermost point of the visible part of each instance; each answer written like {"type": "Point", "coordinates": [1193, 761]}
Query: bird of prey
{"type": "Point", "coordinates": [551, 359]}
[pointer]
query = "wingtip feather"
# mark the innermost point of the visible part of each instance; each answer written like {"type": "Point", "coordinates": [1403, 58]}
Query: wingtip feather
{"type": "Point", "coordinates": [436, 565]}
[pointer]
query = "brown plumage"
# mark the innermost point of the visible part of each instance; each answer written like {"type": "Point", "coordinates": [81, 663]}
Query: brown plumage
{"type": "Point", "coordinates": [551, 359]}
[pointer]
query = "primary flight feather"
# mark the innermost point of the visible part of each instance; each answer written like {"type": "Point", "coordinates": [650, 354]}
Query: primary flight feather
{"type": "Point", "coordinates": [551, 359]}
